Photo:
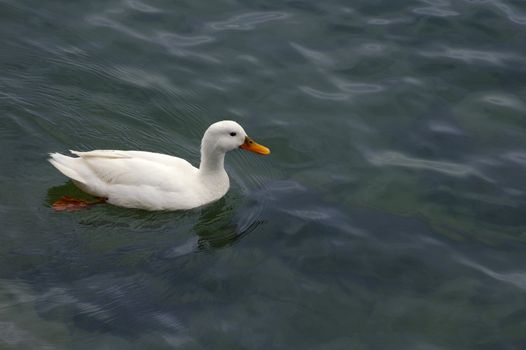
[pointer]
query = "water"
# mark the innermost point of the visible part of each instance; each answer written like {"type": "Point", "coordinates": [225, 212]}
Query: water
{"type": "Point", "coordinates": [390, 215]}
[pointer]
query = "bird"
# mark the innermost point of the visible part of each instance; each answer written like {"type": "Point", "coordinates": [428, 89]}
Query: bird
{"type": "Point", "coordinates": [155, 181]}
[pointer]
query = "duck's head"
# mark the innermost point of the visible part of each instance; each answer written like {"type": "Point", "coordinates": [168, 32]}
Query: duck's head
{"type": "Point", "coordinates": [228, 135]}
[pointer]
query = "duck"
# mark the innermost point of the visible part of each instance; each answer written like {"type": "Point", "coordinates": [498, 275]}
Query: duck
{"type": "Point", "coordinates": [155, 181]}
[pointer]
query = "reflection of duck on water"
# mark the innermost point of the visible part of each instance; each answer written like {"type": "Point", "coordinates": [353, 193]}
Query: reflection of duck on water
{"type": "Point", "coordinates": [154, 181]}
{"type": "Point", "coordinates": [211, 226]}
{"type": "Point", "coordinates": [220, 225]}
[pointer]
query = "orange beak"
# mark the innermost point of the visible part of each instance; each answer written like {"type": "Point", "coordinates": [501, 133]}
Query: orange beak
{"type": "Point", "coordinates": [252, 146]}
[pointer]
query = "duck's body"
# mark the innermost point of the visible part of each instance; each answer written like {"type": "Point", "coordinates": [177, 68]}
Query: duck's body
{"type": "Point", "coordinates": [145, 180]}
{"type": "Point", "coordinates": [154, 181]}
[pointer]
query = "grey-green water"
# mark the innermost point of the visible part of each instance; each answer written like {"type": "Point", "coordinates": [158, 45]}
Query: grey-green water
{"type": "Point", "coordinates": [390, 215]}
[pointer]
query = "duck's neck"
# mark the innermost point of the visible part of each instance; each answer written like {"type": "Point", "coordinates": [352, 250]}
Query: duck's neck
{"type": "Point", "coordinates": [212, 160]}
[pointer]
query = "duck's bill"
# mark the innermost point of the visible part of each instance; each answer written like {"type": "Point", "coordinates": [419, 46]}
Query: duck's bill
{"type": "Point", "coordinates": [252, 146]}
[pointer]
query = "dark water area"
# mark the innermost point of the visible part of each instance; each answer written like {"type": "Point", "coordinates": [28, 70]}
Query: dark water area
{"type": "Point", "coordinates": [391, 213]}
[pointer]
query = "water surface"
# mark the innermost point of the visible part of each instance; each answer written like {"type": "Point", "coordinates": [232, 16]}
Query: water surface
{"type": "Point", "coordinates": [390, 215]}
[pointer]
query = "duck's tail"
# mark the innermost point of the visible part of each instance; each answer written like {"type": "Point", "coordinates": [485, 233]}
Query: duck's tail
{"type": "Point", "coordinates": [66, 165]}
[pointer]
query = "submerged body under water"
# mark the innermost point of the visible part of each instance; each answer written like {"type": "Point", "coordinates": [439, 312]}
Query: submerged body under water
{"type": "Point", "coordinates": [390, 213]}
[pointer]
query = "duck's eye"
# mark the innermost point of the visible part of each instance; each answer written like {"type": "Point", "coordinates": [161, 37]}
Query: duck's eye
{"type": "Point", "coordinates": [233, 134]}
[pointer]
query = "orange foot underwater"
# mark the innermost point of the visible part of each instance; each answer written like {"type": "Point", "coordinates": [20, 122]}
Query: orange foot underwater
{"type": "Point", "coordinates": [67, 203]}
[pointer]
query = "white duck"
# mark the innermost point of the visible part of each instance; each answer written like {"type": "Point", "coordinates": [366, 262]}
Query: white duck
{"type": "Point", "coordinates": [154, 181]}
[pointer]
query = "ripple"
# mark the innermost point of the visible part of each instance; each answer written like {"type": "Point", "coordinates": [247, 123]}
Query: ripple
{"type": "Point", "coordinates": [311, 214]}
{"type": "Point", "coordinates": [174, 43]}
{"type": "Point", "coordinates": [360, 88]}
{"type": "Point", "coordinates": [144, 79]}
{"type": "Point", "coordinates": [436, 2]}
{"type": "Point", "coordinates": [183, 249]}
{"type": "Point", "coordinates": [444, 128]}
{"type": "Point", "coordinates": [437, 8]}
{"type": "Point", "coordinates": [517, 157]}
{"type": "Point", "coordinates": [336, 96]}
{"type": "Point", "coordinates": [392, 158]}
{"type": "Point", "coordinates": [142, 7]}
{"type": "Point", "coordinates": [518, 279]}
{"type": "Point", "coordinates": [209, 84]}
{"type": "Point", "coordinates": [505, 101]}
{"type": "Point", "coordinates": [512, 13]}
{"type": "Point", "coordinates": [102, 21]}
{"type": "Point", "coordinates": [378, 21]}
{"type": "Point", "coordinates": [59, 297]}
{"type": "Point", "coordinates": [248, 58]}
{"type": "Point", "coordinates": [248, 21]}
{"type": "Point", "coordinates": [372, 48]}
{"type": "Point", "coordinates": [16, 337]}
{"type": "Point", "coordinates": [470, 56]}
{"type": "Point", "coordinates": [313, 56]}
{"type": "Point", "coordinates": [435, 11]}
{"type": "Point", "coordinates": [299, 202]}
{"type": "Point", "coordinates": [177, 40]}
{"type": "Point", "coordinates": [169, 321]}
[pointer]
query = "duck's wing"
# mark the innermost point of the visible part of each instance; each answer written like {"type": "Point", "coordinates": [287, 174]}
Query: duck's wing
{"type": "Point", "coordinates": [100, 168]}
{"type": "Point", "coordinates": [174, 162]}
{"type": "Point", "coordinates": [103, 153]}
